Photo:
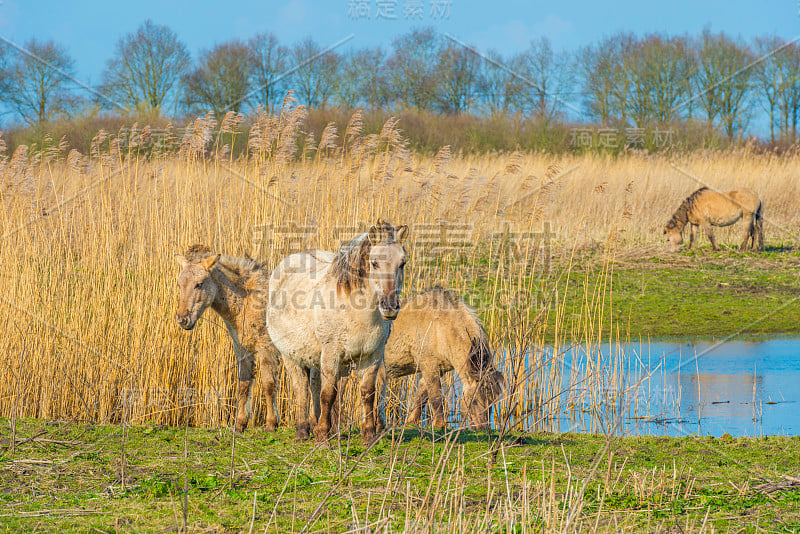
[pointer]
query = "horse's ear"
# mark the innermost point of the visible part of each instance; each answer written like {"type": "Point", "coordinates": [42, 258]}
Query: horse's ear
{"type": "Point", "coordinates": [183, 262]}
{"type": "Point", "coordinates": [374, 235]}
{"type": "Point", "coordinates": [401, 234]}
{"type": "Point", "coordinates": [210, 262]}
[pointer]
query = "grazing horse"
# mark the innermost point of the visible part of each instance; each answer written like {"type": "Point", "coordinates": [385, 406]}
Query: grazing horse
{"type": "Point", "coordinates": [235, 288]}
{"type": "Point", "coordinates": [707, 208]}
{"type": "Point", "coordinates": [331, 311]}
{"type": "Point", "coordinates": [434, 333]}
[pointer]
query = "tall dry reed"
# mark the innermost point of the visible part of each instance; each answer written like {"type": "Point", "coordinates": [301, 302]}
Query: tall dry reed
{"type": "Point", "coordinates": [87, 278]}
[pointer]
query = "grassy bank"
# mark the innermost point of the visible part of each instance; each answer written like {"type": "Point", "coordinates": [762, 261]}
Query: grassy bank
{"type": "Point", "coordinates": [71, 477]}
{"type": "Point", "coordinates": [697, 294]}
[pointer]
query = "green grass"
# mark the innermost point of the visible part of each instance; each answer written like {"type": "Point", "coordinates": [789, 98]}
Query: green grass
{"type": "Point", "coordinates": [697, 294]}
{"type": "Point", "coordinates": [69, 478]}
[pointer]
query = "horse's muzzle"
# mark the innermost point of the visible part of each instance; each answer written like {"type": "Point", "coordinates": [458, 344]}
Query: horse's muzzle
{"type": "Point", "coordinates": [389, 315]}
{"type": "Point", "coordinates": [185, 321]}
{"type": "Point", "coordinates": [389, 308]}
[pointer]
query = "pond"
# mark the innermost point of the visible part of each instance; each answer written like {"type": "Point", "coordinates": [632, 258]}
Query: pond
{"type": "Point", "coordinates": [743, 388]}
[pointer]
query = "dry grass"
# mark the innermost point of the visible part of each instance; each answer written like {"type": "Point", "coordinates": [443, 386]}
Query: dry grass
{"type": "Point", "coordinates": [88, 276]}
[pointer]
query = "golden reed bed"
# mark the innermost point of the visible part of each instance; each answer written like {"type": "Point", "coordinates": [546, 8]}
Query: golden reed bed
{"type": "Point", "coordinates": [87, 276]}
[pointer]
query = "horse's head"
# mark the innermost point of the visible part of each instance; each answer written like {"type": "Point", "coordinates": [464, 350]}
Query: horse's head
{"type": "Point", "coordinates": [674, 237]}
{"type": "Point", "coordinates": [481, 395]}
{"type": "Point", "coordinates": [481, 398]}
{"type": "Point", "coordinates": [196, 289]}
{"type": "Point", "coordinates": [386, 261]}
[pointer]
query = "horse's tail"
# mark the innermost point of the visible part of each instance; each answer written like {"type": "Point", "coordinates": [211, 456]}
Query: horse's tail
{"type": "Point", "coordinates": [758, 225]}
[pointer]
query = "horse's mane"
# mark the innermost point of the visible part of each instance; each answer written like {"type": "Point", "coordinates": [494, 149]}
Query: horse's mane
{"type": "Point", "coordinates": [241, 270]}
{"type": "Point", "coordinates": [351, 265]}
{"type": "Point", "coordinates": [681, 215]}
{"type": "Point", "coordinates": [438, 298]}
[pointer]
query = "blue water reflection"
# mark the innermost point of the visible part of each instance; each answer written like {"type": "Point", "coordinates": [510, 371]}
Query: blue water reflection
{"type": "Point", "coordinates": [743, 388]}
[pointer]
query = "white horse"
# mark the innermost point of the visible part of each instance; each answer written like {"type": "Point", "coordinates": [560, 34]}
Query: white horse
{"type": "Point", "coordinates": [331, 311]}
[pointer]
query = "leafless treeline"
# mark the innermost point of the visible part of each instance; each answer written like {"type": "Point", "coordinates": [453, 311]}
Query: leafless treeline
{"type": "Point", "coordinates": [726, 83]}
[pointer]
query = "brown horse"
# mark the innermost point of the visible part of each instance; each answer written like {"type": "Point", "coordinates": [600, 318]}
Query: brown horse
{"type": "Point", "coordinates": [707, 208]}
{"type": "Point", "coordinates": [330, 311]}
{"type": "Point", "coordinates": [235, 288]}
{"type": "Point", "coordinates": [435, 333]}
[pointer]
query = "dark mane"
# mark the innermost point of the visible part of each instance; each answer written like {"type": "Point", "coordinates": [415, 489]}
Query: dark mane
{"type": "Point", "coordinates": [681, 215]}
{"type": "Point", "coordinates": [238, 269]}
{"type": "Point", "coordinates": [351, 265]}
{"type": "Point", "coordinates": [480, 356]}
{"type": "Point", "coordinates": [197, 252]}
{"type": "Point", "coordinates": [441, 298]}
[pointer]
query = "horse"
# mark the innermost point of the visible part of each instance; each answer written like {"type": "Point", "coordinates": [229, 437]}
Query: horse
{"type": "Point", "coordinates": [437, 332]}
{"type": "Point", "coordinates": [237, 289]}
{"type": "Point", "coordinates": [331, 311]}
{"type": "Point", "coordinates": [707, 208]}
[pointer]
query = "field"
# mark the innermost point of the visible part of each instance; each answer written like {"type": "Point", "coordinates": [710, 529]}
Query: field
{"type": "Point", "coordinates": [151, 478]}
{"type": "Point", "coordinates": [551, 251]}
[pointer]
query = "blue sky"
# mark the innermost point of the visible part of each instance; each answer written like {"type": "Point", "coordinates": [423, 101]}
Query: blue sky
{"type": "Point", "coordinates": [90, 28]}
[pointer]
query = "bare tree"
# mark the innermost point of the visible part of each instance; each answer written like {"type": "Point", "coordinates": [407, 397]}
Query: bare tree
{"type": "Point", "coordinates": [221, 80]}
{"type": "Point", "coordinates": [499, 86]}
{"type": "Point", "coordinates": [723, 81]}
{"type": "Point", "coordinates": [5, 86]}
{"type": "Point", "coordinates": [270, 61]}
{"type": "Point", "coordinates": [314, 77]}
{"type": "Point", "coordinates": [374, 85]}
{"type": "Point", "coordinates": [458, 77]}
{"type": "Point", "coordinates": [660, 69]}
{"type": "Point", "coordinates": [789, 90]}
{"type": "Point", "coordinates": [361, 79]}
{"type": "Point", "coordinates": [605, 81]}
{"type": "Point", "coordinates": [412, 68]}
{"type": "Point", "coordinates": [768, 77]}
{"type": "Point", "coordinates": [146, 68]}
{"type": "Point", "coordinates": [549, 80]}
{"type": "Point", "coordinates": [38, 83]}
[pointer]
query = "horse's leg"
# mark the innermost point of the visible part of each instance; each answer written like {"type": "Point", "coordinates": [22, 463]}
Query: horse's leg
{"type": "Point", "coordinates": [469, 402]}
{"type": "Point", "coordinates": [435, 396]}
{"type": "Point", "coordinates": [749, 233]}
{"type": "Point", "coordinates": [299, 379]}
{"type": "Point", "coordinates": [691, 235]}
{"type": "Point", "coordinates": [245, 361]}
{"type": "Point", "coordinates": [316, 386]}
{"type": "Point", "coordinates": [710, 233]}
{"type": "Point", "coordinates": [759, 228]}
{"type": "Point", "coordinates": [380, 401]}
{"type": "Point", "coordinates": [368, 399]}
{"type": "Point", "coordinates": [329, 374]}
{"type": "Point", "coordinates": [270, 366]}
{"type": "Point", "coordinates": [419, 403]}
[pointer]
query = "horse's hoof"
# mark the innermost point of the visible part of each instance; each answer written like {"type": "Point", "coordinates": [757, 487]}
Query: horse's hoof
{"type": "Point", "coordinates": [320, 434]}
{"type": "Point", "coordinates": [302, 433]}
{"type": "Point", "coordinates": [271, 425]}
{"type": "Point", "coordinates": [368, 435]}
{"type": "Point", "coordinates": [240, 427]}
